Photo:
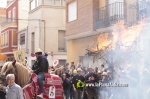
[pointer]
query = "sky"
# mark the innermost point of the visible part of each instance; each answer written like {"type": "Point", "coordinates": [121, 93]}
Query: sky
{"type": "Point", "coordinates": [3, 3]}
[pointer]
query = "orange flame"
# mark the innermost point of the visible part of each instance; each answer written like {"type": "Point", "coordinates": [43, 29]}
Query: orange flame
{"type": "Point", "coordinates": [122, 35]}
{"type": "Point", "coordinates": [103, 42]}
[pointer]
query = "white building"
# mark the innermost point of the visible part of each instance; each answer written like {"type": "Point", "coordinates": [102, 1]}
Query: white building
{"type": "Point", "coordinates": [23, 12]}
{"type": "Point", "coordinates": [46, 29]}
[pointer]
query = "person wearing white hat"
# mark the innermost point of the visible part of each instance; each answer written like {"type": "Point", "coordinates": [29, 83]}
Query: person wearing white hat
{"type": "Point", "coordinates": [79, 70]}
{"type": "Point", "coordinates": [40, 66]}
{"type": "Point", "coordinates": [104, 76]}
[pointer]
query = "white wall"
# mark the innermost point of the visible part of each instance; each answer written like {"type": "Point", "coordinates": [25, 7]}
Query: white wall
{"type": "Point", "coordinates": [54, 20]}
{"type": "Point", "coordinates": [23, 9]}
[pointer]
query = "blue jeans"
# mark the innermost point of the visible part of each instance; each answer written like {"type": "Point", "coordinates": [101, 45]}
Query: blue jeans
{"type": "Point", "coordinates": [40, 78]}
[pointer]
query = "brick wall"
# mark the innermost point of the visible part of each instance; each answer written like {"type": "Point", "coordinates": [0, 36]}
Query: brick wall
{"type": "Point", "coordinates": [9, 48]}
{"type": "Point", "coordinates": [10, 8]}
{"type": "Point", "coordinates": [86, 15]}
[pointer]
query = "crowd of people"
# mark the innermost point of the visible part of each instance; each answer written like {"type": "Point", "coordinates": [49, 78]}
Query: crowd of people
{"type": "Point", "coordinates": [79, 82]}
{"type": "Point", "coordinates": [76, 78]}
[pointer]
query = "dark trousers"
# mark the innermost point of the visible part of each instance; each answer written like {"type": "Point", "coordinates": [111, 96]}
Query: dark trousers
{"type": "Point", "coordinates": [2, 97]}
{"type": "Point", "coordinates": [40, 78]}
{"type": "Point", "coordinates": [2, 94]}
{"type": "Point", "coordinates": [67, 94]}
{"type": "Point", "coordinates": [71, 93]}
{"type": "Point", "coordinates": [78, 94]}
{"type": "Point", "coordinates": [92, 93]}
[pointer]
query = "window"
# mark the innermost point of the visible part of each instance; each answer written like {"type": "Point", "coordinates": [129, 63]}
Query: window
{"type": "Point", "coordinates": [32, 42]}
{"type": "Point", "coordinates": [37, 3]}
{"type": "Point", "coordinates": [57, 2]}
{"type": "Point", "coordinates": [14, 14]}
{"type": "Point", "coordinates": [32, 4]}
{"type": "Point", "coordinates": [49, 2]}
{"type": "Point", "coordinates": [72, 11]}
{"type": "Point", "coordinates": [14, 37]}
{"type": "Point", "coordinates": [2, 44]}
{"type": "Point", "coordinates": [3, 40]}
{"type": "Point", "coordinates": [22, 39]}
{"type": "Point", "coordinates": [62, 62]}
{"type": "Point", "coordinates": [6, 39]}
{"type": "Point", "coordinates": [63, 2]}
{"type": "Point", "coordinates": [54, 2]}
{"type": "Point", "coordinates": [61, 40]}
{"type": "Point", "coordinates": [9, 16]}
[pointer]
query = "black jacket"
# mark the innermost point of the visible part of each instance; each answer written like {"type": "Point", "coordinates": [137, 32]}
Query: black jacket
{"type": "Point", "coordinates": [2, 94]}
{"type": "Point", "coordinates": [66, 84]}
{"type": "Point", "coordinates": [76, 79]}
{"type": "Point", "coordinates": [92, 74]}
{"type": "Point", "coordinates": [40, 65]}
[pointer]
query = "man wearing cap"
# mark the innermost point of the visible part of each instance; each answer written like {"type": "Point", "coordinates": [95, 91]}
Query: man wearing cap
{"type": "Point", "coordinates": [78, 84]}
{"type": "Point", "coordinates": [71, 83]}
{"type": "Point", "coordinates": [40, 66]}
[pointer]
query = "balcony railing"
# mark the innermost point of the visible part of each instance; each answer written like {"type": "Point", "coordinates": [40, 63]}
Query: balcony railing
{"type": "Point", "coordinates": [55, 2]}
{"type": "Point", "coordinates": [110, 14]}
{"type": "Point", "coordinates": [8, 22]}
{"type": "Point", "coordinates": [117, 11]}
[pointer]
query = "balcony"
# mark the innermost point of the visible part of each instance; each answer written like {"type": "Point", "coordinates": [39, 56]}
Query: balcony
{"type": "Point", "coordinates": [110, 14]}
{"type": "Point", "coordinates": [54, 2]}
{"type": "Point", "coordinates": [8, 23]}
{"type": "Point", "coordinates": [4, 45]}
{"type": "Point", "coordinates": [113, 13]}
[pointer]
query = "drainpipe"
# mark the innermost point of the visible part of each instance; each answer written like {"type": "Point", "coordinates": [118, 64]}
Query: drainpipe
{"type": "Point", "coordinates": [39, 32]}
{"type": "Point", "coordinates": [44, 34]}
{"type": "Point", "coordinates": [26, 38]}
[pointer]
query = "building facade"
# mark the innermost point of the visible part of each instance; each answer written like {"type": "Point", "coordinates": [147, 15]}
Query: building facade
{"type": "Point", "coordinates": [80, 28]}
{"type": "Point", "coordinates": [16, 20]}
{"type": "Point", "coordinates": [2, 18]}
{"type": "Point", "coordinates": [9, 30]}
{"type": "Point", "coordinates": [46, 29]}
{"type": "Point", "coordinates": [23, 13]}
